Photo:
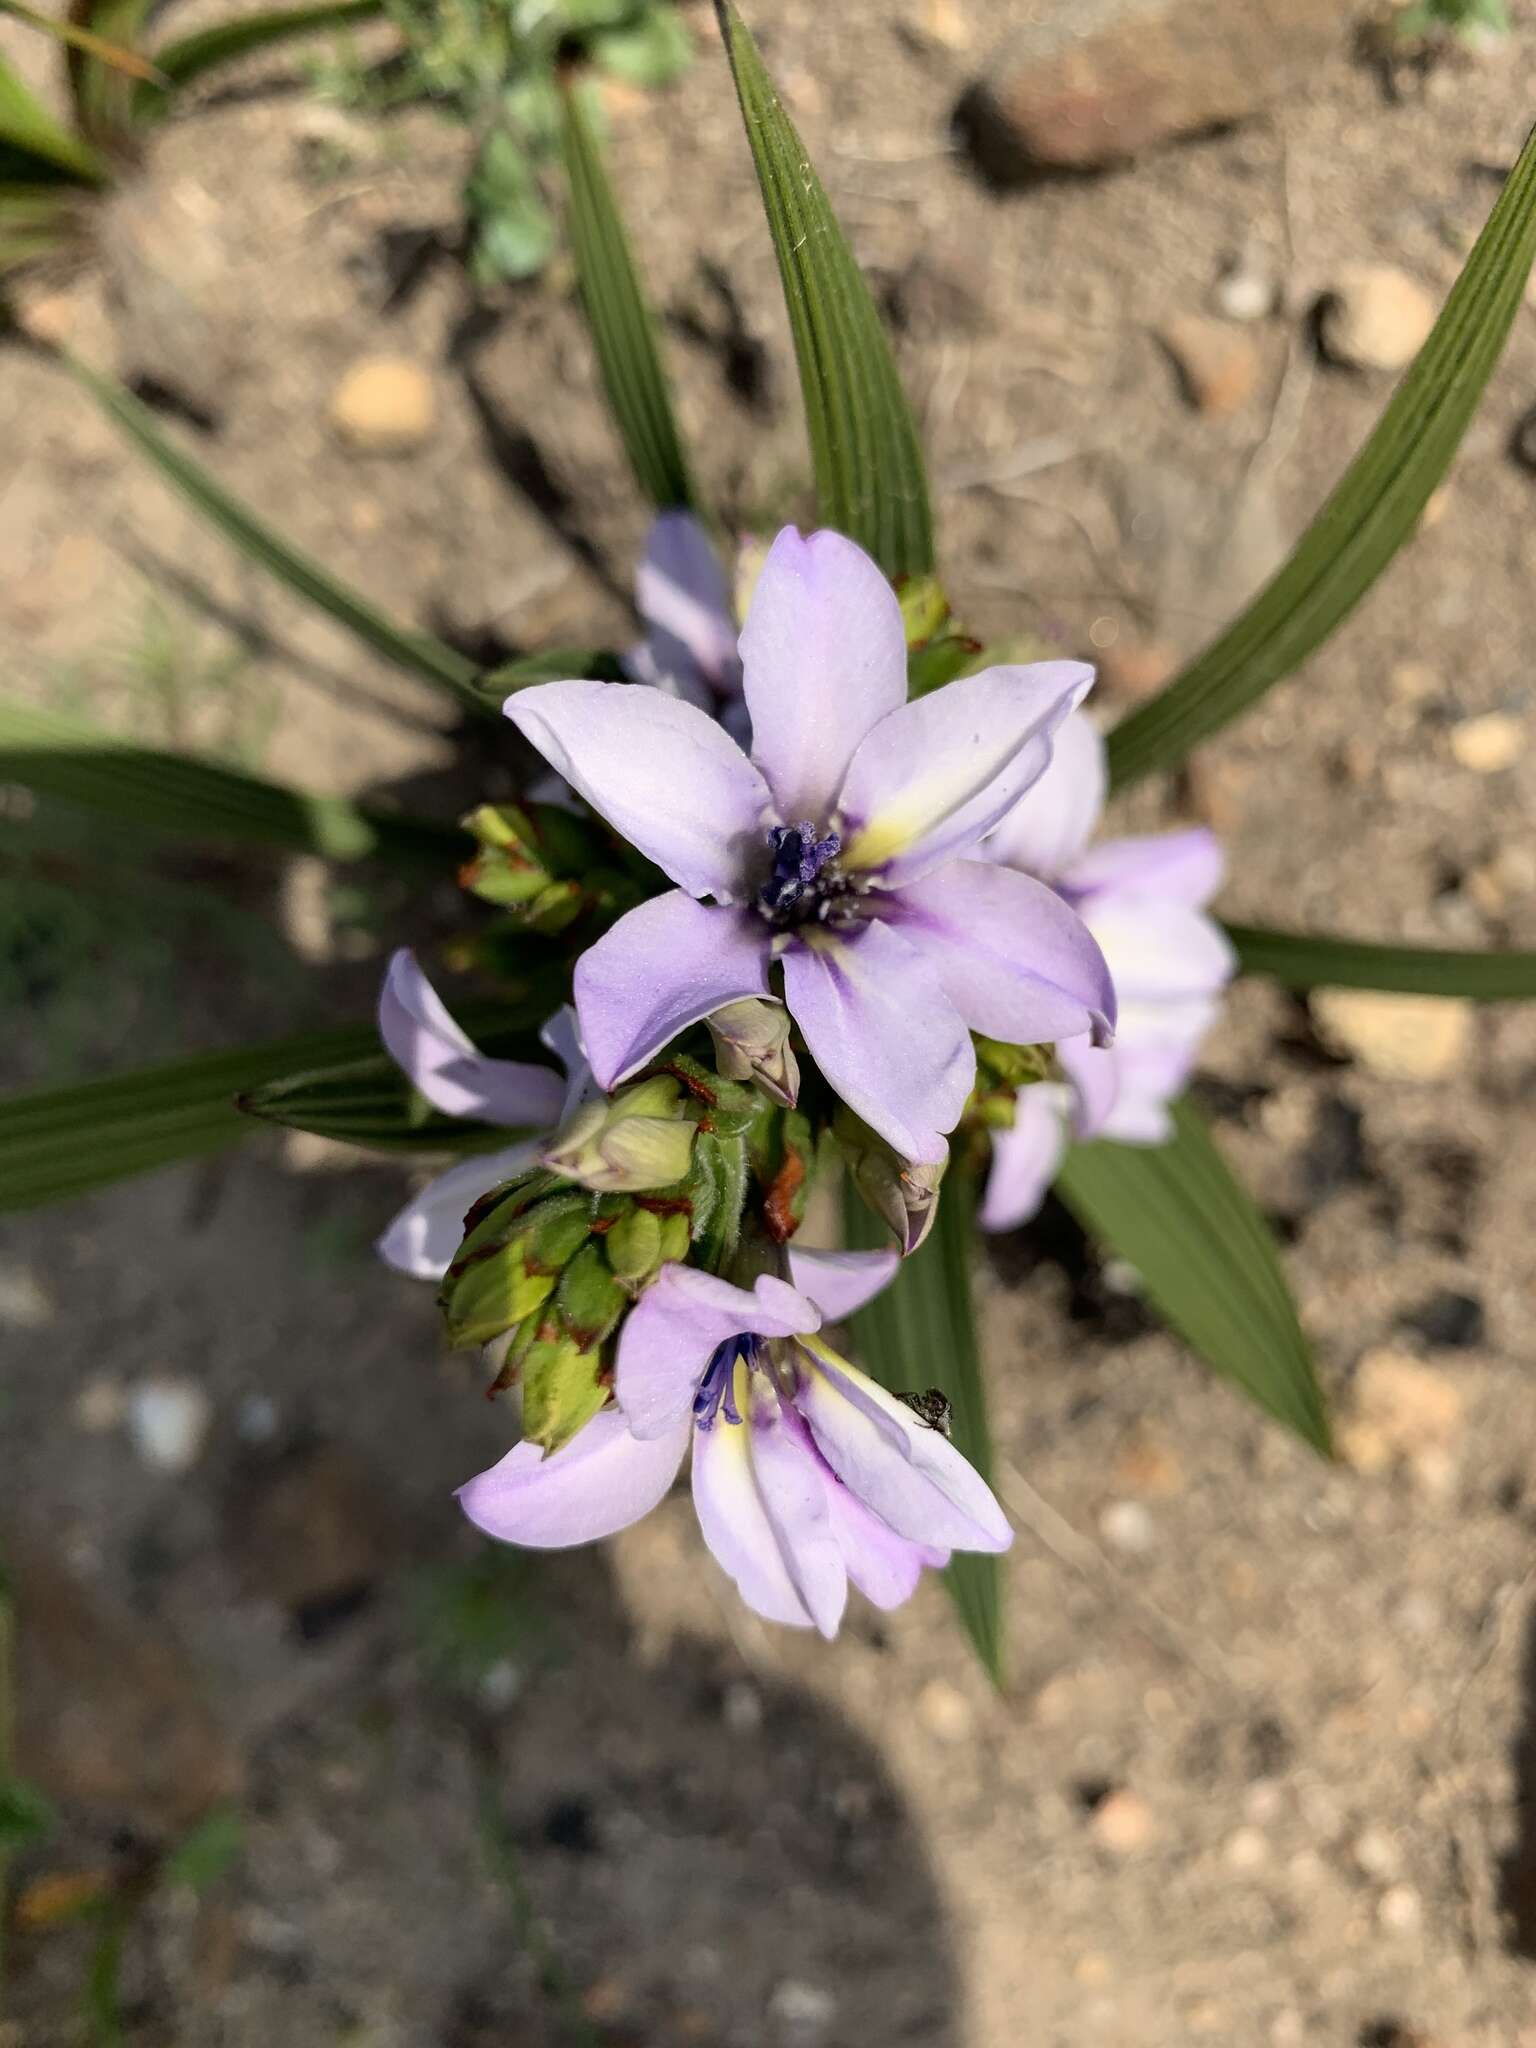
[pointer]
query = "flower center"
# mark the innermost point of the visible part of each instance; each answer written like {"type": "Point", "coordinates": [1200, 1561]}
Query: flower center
{"type": "Point", "coordinates": [806, 883]}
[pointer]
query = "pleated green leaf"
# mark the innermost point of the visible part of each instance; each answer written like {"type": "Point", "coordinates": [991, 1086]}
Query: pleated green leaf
{"type": "Point", "coordinates": [174, 795]}
{"type": "Point", "coordinates": [870, 481]}
{"type": "Point", "coordinates": [189, 57]}
{"type": "Point", "coordinates": [1313, 960]}
{"type": "Point", "coordinates": [1371, 513]}
{"type": "Point", "coordinates": [550, 665]}
{"type": "Point", "coordinates": [1207, 1259]}
{"type": "Point", "coordinates": [921, 1333]}
{"type": "Point", "coordinates": [419, 654]}
{"type": "Point", "coordinates": [623, 329]}
{"type": "Point", "coordinates": [369, 1102]}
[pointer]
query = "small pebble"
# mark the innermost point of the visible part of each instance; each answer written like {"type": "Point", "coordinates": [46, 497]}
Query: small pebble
{"type": "Point", "coordinates": [168, 1422]}
{"type": "Point", "coordinates": [1126, 1525]}
{"type": "Point", "coordinates": [1489, 744]}
{"type": "Point", "coordinates": [1374, 318]}
{"type": "Point", "coordinates": [803, 2011]}
{"type": "Point", "coordinates": [100, 1406]}
{"type": "Point", "coordinates": [1247, 1849]}
{"type": "Point", "coordinates": [945, 1711]}
{"type": "Point", "coordinates": [1400, 1038]}
{"type": "Point", "coordinates": [741, 1707]}
{"type": "Point", "coordinates": [1400, 1910]}
{"type": "Point", "coordinates": [1218, 367]}
{"type": "Point", "coordinates": [24, 1302]}
{"type": "Point", "coordinates": [1245, 290]}
{"type": "Point", "coordinates": [1375, 1854]}
{"type": "Point", "coordinates": [1122, 1822]}
{"type": "Point", "coordinates": [384, 405]}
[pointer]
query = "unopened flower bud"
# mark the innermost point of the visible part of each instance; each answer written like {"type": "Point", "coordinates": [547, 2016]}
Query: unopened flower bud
{"type": "Point", "coordinates": [509, 1263]}
{"type": "Point", "coordinates": [589, 1299]}
{"type": "Point", "coordinates": [536, 862]}
{"type": "Point", "coordinates": [752, 1044]}
{"type": "Point", "coordinates": [563, 1387]}
{"type": "Point", "coordinates": [905, 1195]}
{"type": "Point", "coordinates": [633, 1246]}
{"type": "Point", "coordinates": [627, 1143]}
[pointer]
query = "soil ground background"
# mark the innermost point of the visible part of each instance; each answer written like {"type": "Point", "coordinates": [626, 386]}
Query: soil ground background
{"type": "Point", "coordinates": [1265, 1771]}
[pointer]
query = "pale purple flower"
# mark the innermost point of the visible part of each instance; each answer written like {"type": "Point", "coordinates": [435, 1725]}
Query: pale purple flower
{"type": "Point", "coordinates": [681, 594]}
{"type": "Point", "coordinates": [460, 1080]}
{"type": "Point", "coordinates": [1144, 901]}
{"type": "Point", "coordinates": [806, 1475]}
{"type": "Point", "coordinates": [836, 853]}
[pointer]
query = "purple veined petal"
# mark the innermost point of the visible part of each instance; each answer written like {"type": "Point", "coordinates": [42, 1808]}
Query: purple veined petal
{"type": "Point", "coordinates": [824, 657]}
{"type": "Point", "coordinates": [884, 1034]}
{"type": "Point", "coordinates": [661, 968]}
{"type": "Point", "coordinates": [734, 1522]}
{"type": "Point", "coordinates": [909, 1475]}
{"type": "Point", "coordinates": [423, 1238]}
{"type": "Point", "coordinates": [660, 771]}
{"type": "Point", "coordinates": [884, 1566]}
{"type": "Point", "coordinates": [1025, 1158]}
{"type": "Point", "coordinates": [683, 597]}
{"type": "Point", "coordinates": [673, 1330]}
{"type": "Point", "coordinates": [791, 1481]}
{"type": "Point", "coordinates": [436, 1057]}
{"type": "Point", "coordinates": [1052, 823]}
{"type": "Point", "coordinates": [942, 772]}
{"type": "Point", "coordinates": [562, 1034]}
{"type": "Point", "coordinates": [1094, 1073]}
{"type": "Point", "coordinates": [1186, 867]}
{"type": "Point", "coordinates": [1160, 951]}
{"type": "Point", "coordinates": [841, 1282]}
{"type": "Point", "coordinates": [1014, 958]}
{"type": "Point", "coordinates": [597, 1484]}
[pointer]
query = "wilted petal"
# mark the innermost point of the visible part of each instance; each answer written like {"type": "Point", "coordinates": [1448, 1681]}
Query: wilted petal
{"type": "Point", "coordinates": [423, 1238]}
{"type": "Point", "coordinates": [939, 774]}
{"type": "Point", "coordinates": [911, 1476]}
{"type": "Point", "coordinates": [1025, 1158]}
{"type": "Point", "coordinates": [884, 1566]}
{"type": "Point", "coordinates": [601, 1481]}
{"type": "Point", "coordinates": [884, 1034]}
{"type": "Point", "coordinates": [735, 1523]}
{"type": "Point", "coordinates": [824, 655]}
{"type": "Point", "coordinates": [1053, 822]}
{"type": "Point", "coordinates": [661, 968]}
{"type": "Point", "coordinates": [841, 1282]}
{"type": "Point", "coordinates": [660, 771]}
{"type": "Point", "coordinates": [1185, 867]}
{"type": "Point", "coordinates": [438, 1059]}
{"type": "Point", "coordinates": [1017, 962]}
{"type": "Point", "coordinates": [675, 1327]}
{"type": "Point", "coordinates": [789, 1472]}
{"type": "Point", "coordinates": [1160, 951]}
{"type": "Point", "coordinates": [683, 597]}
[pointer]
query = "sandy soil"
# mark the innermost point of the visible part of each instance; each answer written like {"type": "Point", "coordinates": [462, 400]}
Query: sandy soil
{"type": "Point", "coordinates": [1265, 1772]}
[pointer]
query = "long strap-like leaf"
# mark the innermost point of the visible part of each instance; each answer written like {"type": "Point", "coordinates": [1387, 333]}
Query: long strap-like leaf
{"type": "Point", "coordinates": [623, 331]}
{"type": "Point", "coordinates": [1371, 513]}
{"type": "Point", "coordinates": [1311, 960]}
{"type": "Point", "coordinates": [190, 56]}
{"type": "Point", "coordinates": [1207, 1260]}
{"type": "Point", "coordinates": [173, 794]}
{"type": "Point", "coordinates": [921, 1333]}
{"type": "Point", "coordinates": [870, 481]}
{"type": "Point", "coordinates": [27, 127]}
{"type": "Point", "coordinates": [418, 653]}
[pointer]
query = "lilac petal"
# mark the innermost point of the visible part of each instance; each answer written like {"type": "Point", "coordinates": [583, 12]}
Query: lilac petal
{"type": "Point", "coordinates": [661, 968]}
{"type": "Point", "coordinates": [792, 1484]}
{"type": "Point", "coordinates": [841, 1282]}
{"type": "Point", "coordinates": [562, 1034]}
{"type": "Point", "coordinates": [735, 1524]}
{"type": "Point", "coordinates": [661, 772]}
{"type": "Point", "coordinates": [1186, 866]}
{"type": "Point", "coordinates": [684, 599]}
{"type": "Point", "coordinates": [423, 1238]}
{"type": "Point", "coordinates": [1051, 825]}
{"type": "Point", "coordinates": [911, 1476]}
{"type": "Point", "coordinates": [1025, 1158]}
{"type": "Point", "coordinates": [436, 1057]}
{"type": "Point", "coordinates": [1094, 1074]}
{"type": "Point", "coordinates": [600, 1482]}
{"type": "Point", "coordinates": [1160, 951]}
{"type": "Point", "coordinates": [824, 652]}
{"type": "Point", "coordinates": [670, 1335]}
{"type": "Point", "coordinates": [884, 1034]}
{"type": "Point", "coordinates": [939, 774]}
{"type": "Point", "coordinates": [1017, 962]}
{"type": "Point", "coordinates": [884, 1566]}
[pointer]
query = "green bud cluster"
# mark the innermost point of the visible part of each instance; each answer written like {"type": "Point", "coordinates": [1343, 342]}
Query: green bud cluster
{"type": "Point", "coordinates": [1001, 1071]}
{"type": "Point", "coordinates": [541, 863]}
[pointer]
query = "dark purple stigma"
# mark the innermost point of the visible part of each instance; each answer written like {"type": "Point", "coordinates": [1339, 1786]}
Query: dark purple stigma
{"type": "Point", "coordinates": [716, 1394]}
{"type": "Point", "coordinates": [798, 860]}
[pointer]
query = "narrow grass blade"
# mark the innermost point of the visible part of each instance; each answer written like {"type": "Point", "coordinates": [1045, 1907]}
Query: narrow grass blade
{"type": "Point", "coordinates": [78, 38]}
{"type": "Point", "coordinates": [921, 1333]}
{"type": "Point", "coordinates": [1207, 1260]}
{"type": "Point", "coordinates": [1305, 960]}
{"type": "Point", "coordinates": [870, 481]}
{"type": "Point", "coordinates": [418, 653]}
{"type": "Point", "coordinates": [189, 57]}
{"type": "Point", "coordinates": [1371, 513]}
{"type": "Point", "coordinates": [27, 127]}
{"type": "Point", "coordinates": [175, 795]}
{"type": "Point", "coordinates": [623, 330]}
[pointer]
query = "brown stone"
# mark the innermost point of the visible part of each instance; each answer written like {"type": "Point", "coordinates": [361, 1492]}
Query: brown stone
{"type": "Point", "coordinates": [1218, 365]}
{"type": "Point", "coordinates": [110, 1719]}
{"type": "Point", "coordinates": [1160, 69]}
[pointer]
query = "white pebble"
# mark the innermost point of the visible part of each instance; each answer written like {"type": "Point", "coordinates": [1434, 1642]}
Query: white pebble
{"type": "Point", "coordinates": [1126, 1525]}
{"type": "Point", "coordinates": [1247, 1849]}
{"type": "Point", "coordinates": [802, 2011]}
{"type": "Point", "coordinates": [1400, 1910]}
{"type": "Point", "coordinates": [168, 1421]}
